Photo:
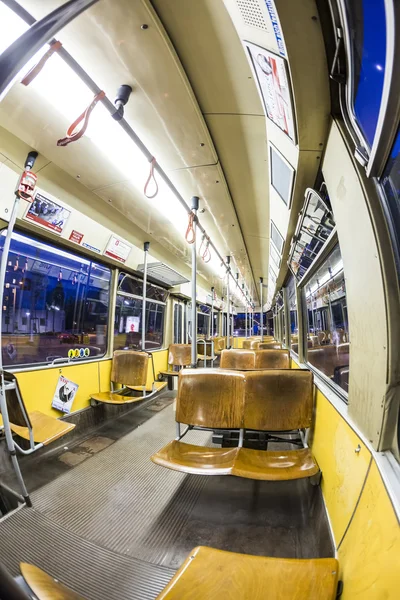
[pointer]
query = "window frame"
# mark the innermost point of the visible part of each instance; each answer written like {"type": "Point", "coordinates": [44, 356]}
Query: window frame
{"type": "Point", "coordinates": [54, 244]}
{"type": "Point", "coordinates": [321, 257]}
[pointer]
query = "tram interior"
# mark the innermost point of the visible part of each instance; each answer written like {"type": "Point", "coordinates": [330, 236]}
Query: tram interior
{"type": "Point", "coordinates": [199, 285]}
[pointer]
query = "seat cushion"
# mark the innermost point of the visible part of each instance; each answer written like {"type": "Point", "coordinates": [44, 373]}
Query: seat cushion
{"type": "Point", "coordinates": [281, 465]}
{"type": "Point", "coordinates": [197, 460]}
{"type": "Point", "coordinates": [115, 398]}
{"type": "Point", "coordinates": [209, 574]}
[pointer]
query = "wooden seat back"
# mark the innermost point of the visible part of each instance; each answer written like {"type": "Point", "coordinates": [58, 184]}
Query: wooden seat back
{"type": "Point", "coordinates": [219, 343]}
{"type": "Point", "coordinates": [238, 359]}
{"type": "Point", "coordinates": [15, 405]}
{"type": "Point", "coordinates": [251, 344]}
{"type": "Point", "coordinates": [210, 398]}
{"type": "Point", "coordinates": [129, 367]}
{"type": "Point", "coordinates": [272, 359]}
{"type": "Point", "coordinates": [278, 400]}
{"type": "Point", "coordinates": [270, 346]}
{"type": "Point", "coordinates": [180, 355]}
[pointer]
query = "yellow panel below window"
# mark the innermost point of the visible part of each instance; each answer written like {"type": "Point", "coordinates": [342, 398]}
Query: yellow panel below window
{"type": "Point", "coordinates": [105, 375]}
{"type": "Point", "coordinates": [38, 387]}
{"type": "Point", "coordinates": [334, 446]}
{"type": "Point", "coordinates": [369, 556]}
{"type": "Point", "coordinates": [160, 364]}
{"type": "Point", "coordinates": [293, 364]}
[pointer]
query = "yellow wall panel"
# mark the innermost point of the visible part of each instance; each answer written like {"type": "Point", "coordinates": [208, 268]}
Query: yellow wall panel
{"type": "Point", "coordinates": [38, 387]}
{"type": "Point", "coordinates": [343, 470]}
{"type": "Point", "coordinates": [369, 556]}
{"type": "Point", "coordinates": [105, 375]}
{"type": "Point", "coordinates": [160, 364]}
{"type": "Point", "coordinates": [293, 364]}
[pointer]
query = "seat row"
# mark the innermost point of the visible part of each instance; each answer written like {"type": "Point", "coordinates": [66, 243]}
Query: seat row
{"type": "Point", "coordinates": [276, 401]}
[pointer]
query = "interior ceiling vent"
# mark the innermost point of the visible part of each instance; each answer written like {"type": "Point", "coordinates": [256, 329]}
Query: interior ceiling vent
{"type": "Point", "coordinates": [252, 13]}
{"type": "Point", "coordinates": [163, 273]}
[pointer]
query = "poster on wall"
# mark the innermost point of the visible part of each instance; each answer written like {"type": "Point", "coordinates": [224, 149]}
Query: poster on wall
{"type": "Point", "coordinates": [117, 249]}
{"type": "Point", "coordinates": [64, 395]}
{"type": "Point", "coordinates": [47, 213]}
{"type": "Point", "coordinates": [274, 87]}
{"type": "Point", "coordinates": [132, 324]}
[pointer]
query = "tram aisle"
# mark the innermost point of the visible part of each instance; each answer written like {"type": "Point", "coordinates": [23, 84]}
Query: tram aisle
{"type": "Point", "coordinates": [117, 525]}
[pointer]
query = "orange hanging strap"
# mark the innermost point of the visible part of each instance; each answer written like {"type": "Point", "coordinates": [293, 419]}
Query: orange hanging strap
{"type": "Point", "coordinates": [72, 135]}
{"type": "Point", "coordinates": [207, 254]}
{"type": "Point", "coordinates": [151, 177]}
{"type": "Point", "coordinates": [30, 76]}
{"type": "Point", "coordinates": [190, 234]}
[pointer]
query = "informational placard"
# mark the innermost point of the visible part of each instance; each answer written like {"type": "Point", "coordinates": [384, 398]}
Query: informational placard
{"type": "Point", "coordinates": [276, 26]}
{"type": "Point", "coordinates": [274, 87]}
{"type": "Point", "coordinates": [47, 213]}
{"type": "Point", "coordinates": [75, 236]}
{"type": "Point", "coordinates": [132, 324]}
{"type": "Point", "coordinates": [117, 249]}
{"type": "Point", "coordinates": [64, 395]}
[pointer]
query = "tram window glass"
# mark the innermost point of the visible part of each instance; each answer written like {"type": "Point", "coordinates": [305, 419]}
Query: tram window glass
{"type": "Point", "coordinates": [391, 185]}
{"type": "Point", "coordinates": [55, 302]}
{"type": "Point", "coordinates": [367, 25]}
{"type": "Point", "coordinates": [328, 327]}
{"type": "Point", "coordinates": [178, 324]}
{"type": "Point", "coordinates": [277, 238]}
{"type": "Point", "coordinates": [239, 324]}
{"type": "Point", "coordinates": [202, 323]}
{"type": "Point", "coordinates": [128, 314]}
{"type": "Point", "coordinates": [292, 305]}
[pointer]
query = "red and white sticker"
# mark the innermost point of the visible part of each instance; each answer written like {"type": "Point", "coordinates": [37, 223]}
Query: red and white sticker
{"type": "Point", "coordinates": [75, 236]}
{"type": "Point", "coordinates": [117, 249]}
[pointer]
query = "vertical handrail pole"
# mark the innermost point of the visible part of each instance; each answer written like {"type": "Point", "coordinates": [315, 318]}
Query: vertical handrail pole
{"type": "Point", "coordinates": [3, 270]}
{"type": "Point", "coordinates": [228, 309]}
{"type": "Point", "coordinates": [212, 312]}
{"type": "Point", "coordinates": [146, 247]}
{"type": "Point", "coordinates": [261, 310]}
{"type": "Point", "coordinates": [195, 207]}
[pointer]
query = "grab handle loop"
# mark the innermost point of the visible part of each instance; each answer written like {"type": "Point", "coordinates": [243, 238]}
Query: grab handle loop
{"type": "Point", "coordinates": [72, 134]}
{"type": "Point", "coordinates": [35, 70]}
{"type": "Point", "coordinates": [151, 177]}
{"type": "Point", "coordinates": [205, 254]}
{"type": "Point", "coordinates": [190, 233]}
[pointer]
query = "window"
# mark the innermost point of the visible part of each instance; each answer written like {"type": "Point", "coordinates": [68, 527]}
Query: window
{"type": "Point", "coordinates": [202, 324]}
{"type": "Point", "coordinates": [178, 323]}
{"type": "Point", "coordinates": [55, 304]}
{"type": "Point", "coordinates": [328, 328]}
{"type": "Point", "coordinates": [128, 314]}
{"type": "Point", "coordinates": [292, 305]}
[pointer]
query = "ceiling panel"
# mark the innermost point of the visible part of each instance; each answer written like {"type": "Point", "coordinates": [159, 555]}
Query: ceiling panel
{"type": "Point", "coordinates": [210, 50]}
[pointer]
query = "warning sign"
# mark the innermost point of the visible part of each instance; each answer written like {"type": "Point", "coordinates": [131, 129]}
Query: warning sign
{"type": "Point", "coordinates": [117, 249]}
{"type": "Point", "coordinates": [75, 236]}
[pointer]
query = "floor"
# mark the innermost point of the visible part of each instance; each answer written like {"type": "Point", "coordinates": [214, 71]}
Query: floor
{"type": "Point", "coordinates": [112, 524]}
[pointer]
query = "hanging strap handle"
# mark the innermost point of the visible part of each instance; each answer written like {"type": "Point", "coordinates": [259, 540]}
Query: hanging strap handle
{"type": "Point", "coordinates": [190, 233]}
{"type": "Point", "coordinates": [72, 135]}
{"type": "Point", "coordinates": [151, 177]}
{"type": "Point", "coordinates": [35, 70]}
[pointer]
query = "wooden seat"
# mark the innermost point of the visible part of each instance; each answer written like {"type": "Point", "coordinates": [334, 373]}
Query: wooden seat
{"type": "Point", "coordinates": [274, 465]}
{"type": "Point", "coordinates": [219, 344]}
{"type": "Point", "coordinates": [251, 344]}
{"type": "Point", "coordinates": [209, 574]}
{"type": "Point", "coordinates": [44, 586]}
{"type": "Point", "coordinates": [196, 460]}
{"type": "Point", "coordinates": [180, 356]}
{"type": "Point", "coordinates": [270, 401]}
{"type": "Point", "coordinates": [129, 368]}
{"type": "Point", "coordinates": [249, 360]}
{"type": "Point", "coordinates": [45, 429]}
{"type": "Point", "coordinates": [270, 346]}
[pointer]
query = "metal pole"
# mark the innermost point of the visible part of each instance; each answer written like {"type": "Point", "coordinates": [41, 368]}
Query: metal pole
{"type": "Point", "coordinates": [3, 402]}
{"type": "Point", "coordinates": [146, 247]}
{"type": "Point", "coordinates": [261, 310]}
{"type": "Point", "coordinates": [228, 311]}
{"type": "Point", "coordinates": [195, 207]}
{"type": "Point", "coordinates": [212, 312]}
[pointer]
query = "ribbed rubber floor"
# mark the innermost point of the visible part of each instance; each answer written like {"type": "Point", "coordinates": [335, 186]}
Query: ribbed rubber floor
{"type": "Point", "coordinates": [103, 527]}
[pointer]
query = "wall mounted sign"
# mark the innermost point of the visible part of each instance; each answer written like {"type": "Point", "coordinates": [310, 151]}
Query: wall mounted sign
{"type": "Point", "coordinates": [75, 236]}
{"type": "Point", "coordinates": [47, 213]}
{"type": "Point", "coordinates": [65, 394]}
{"type": "Point", "coordinates": [276, 26]}
{"type": "Point", "coordinates": [274, 87]}
{"type": "Point", "coordinates": [117, 249]}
